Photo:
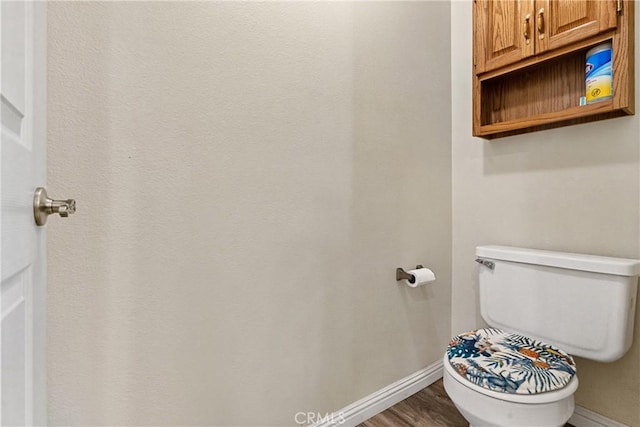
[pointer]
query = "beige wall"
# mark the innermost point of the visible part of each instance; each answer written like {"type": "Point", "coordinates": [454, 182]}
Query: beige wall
{"type": "Point", "coordinates": [248, 177]}
{"type": "Point", "coordinates": [574, 189]}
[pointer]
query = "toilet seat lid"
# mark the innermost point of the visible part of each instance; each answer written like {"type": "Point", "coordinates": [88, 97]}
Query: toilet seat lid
{"type": "Point", "coordinates": [509, 363]}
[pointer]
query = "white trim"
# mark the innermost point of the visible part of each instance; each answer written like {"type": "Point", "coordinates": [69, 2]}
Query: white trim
{"type": "Point", "coordinates": [582, 417]}
{"type": "Point", "coordinates": [367, 407]}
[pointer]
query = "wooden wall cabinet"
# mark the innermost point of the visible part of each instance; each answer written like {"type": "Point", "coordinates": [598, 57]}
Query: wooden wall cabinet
{"type": "Point", "coordinates": [529, 62]}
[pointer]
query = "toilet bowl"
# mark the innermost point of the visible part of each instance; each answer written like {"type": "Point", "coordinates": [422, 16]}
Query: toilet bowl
{"type": "Point", "coordinates": [483, 407]}
{"type": "Point", "coordinates": [542, 307]}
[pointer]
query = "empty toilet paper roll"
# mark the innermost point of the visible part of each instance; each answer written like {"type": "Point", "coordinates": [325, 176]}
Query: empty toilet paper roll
{"type": "Point", "coordinates": [422, 276]}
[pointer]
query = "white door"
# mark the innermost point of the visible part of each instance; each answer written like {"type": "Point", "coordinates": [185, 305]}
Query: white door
{"type": "Point", "coordinates": [22, 169]}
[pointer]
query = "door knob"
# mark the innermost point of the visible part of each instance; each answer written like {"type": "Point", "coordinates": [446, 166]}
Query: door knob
{"type": "Point", "coordinates": [43, 206]}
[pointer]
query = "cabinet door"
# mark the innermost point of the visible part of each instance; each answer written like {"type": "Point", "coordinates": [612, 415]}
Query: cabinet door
{"type": "Point", "coordinates": [562, 22]}
{"type": "Point", "coordinates": [504, 32]}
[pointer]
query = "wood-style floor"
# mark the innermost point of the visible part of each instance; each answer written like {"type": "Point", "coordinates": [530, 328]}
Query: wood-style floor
{"type": "Point", "coordinates": [430, 407]}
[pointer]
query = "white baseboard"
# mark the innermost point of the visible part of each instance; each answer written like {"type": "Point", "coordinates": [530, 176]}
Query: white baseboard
{"type": "Point", "coordinates": [371, 405]}
{"type": "Point", "coordinates": [385, 398]}
{"type": "Point", "coordinates": [582, 417]}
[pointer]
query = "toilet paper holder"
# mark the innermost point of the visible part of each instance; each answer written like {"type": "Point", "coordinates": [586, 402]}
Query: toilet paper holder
{"type": "Point", "coordinates": [401, 274]}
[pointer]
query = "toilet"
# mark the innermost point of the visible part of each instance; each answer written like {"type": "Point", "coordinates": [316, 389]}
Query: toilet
{"type": "Point", "coordinates": [542, 308]}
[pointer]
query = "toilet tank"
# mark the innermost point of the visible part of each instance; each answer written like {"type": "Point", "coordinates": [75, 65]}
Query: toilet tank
{"type": "Point", "coordinates": [583, 304]}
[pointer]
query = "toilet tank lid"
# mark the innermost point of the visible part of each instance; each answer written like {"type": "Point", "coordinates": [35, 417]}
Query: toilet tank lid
{"type": "Point", "coordinates": [571, 261]}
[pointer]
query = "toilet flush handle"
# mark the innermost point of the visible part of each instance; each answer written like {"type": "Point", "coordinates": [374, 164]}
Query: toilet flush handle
{"type": "Point", "coordinates": [489, 264]}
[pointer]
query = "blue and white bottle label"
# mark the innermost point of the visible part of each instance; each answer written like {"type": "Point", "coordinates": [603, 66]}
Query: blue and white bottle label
{"type": "Point", "coordinates": [599, 81]}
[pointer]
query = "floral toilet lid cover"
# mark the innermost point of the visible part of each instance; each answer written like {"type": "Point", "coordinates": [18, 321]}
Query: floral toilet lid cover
{"type": "Point", "coordinates": [510, 363]}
